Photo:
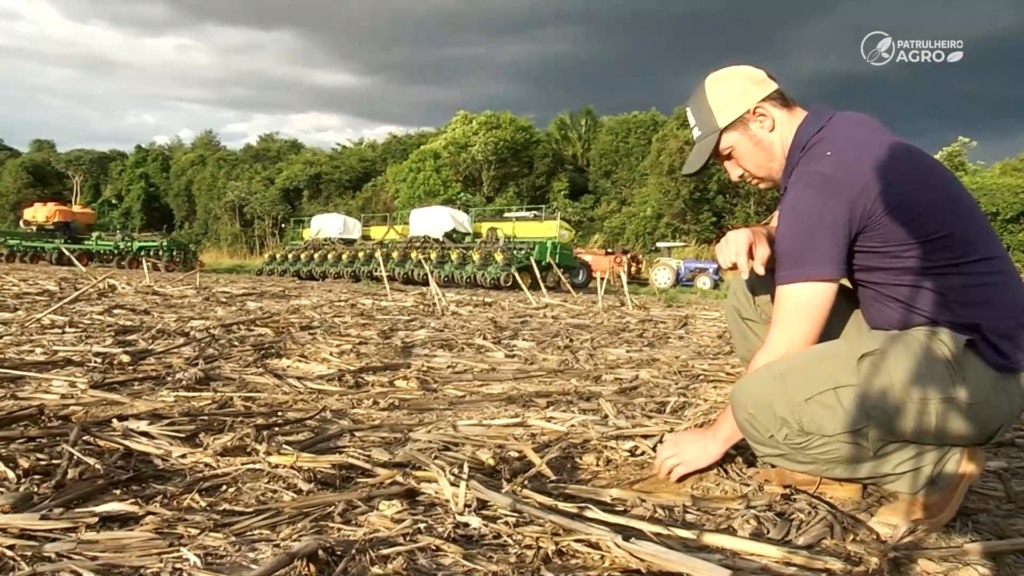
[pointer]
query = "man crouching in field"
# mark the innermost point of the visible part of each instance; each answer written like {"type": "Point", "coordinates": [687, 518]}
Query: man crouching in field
{"type": "Point", "coordinates": [897, 382]}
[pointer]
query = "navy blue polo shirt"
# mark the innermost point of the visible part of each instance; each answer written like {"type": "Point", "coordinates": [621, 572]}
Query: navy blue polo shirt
{"type": "Point", "coordinates": [860, 203]}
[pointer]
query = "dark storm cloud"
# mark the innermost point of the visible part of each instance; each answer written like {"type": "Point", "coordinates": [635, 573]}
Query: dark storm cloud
{"type": "Point", "coordinates": [424, 59]}
{"type": "Point", "coordinates": [429, 57]}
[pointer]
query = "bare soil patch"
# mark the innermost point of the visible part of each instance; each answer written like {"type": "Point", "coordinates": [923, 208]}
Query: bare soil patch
{"type": "Point", "coordinates": [271, 426]}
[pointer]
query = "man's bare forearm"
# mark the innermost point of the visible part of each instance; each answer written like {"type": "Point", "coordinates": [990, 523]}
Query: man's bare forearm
{"type": "Point", "coordinates": [725, 430]}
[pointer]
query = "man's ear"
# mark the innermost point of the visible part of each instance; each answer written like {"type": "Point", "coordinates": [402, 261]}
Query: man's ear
{"type": "Point", "coordinates": [762, 118]}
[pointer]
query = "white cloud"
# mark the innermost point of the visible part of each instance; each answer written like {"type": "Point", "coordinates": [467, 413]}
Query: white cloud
{"type": "Point", "coordinates": [314, 128]}
{"type": "Point", "coordinates": [185, 134]}
{"type": "Point", "coordinates": [88, 83]}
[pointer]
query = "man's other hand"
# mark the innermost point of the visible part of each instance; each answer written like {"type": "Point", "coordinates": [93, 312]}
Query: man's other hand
{"type": "Point", "coordinates": [745, 249]}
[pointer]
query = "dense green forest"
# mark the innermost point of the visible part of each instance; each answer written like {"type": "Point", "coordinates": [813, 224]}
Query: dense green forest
{"type": "Point", "coordinates": [615, 178]}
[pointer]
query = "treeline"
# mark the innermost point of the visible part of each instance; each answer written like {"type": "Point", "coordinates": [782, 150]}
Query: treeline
{"type": "Point", "coordinates": [615, 178]}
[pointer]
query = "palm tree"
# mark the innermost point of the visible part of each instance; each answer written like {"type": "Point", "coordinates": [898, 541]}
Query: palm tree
{"type": "Point", "coordinates": [572, 134]}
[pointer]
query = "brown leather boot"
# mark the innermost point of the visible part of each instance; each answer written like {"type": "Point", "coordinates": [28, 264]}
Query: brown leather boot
{"type": "Point", "coordinates": [813, 484]}
{"type": "Point", "coordinates": [935, 507]}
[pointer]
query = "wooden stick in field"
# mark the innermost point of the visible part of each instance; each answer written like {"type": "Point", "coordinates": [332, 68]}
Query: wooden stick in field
{"type": "Point", "coordinates": [625, 288]}
{"type": "Point", "coordinates": [65, 301]}
{"type": "Point", "coordinates": [434, 290]}
{"type": "Point", "coordinates": [76, 262]}
{"type": "Point", "coordinates": [565, 280]}
{"type": "Point", "coordinates": [540, 279]}
{"type": "Point", "coordinates": [515, 274]}
{"type": "Point", "coordinates": [384, 273]}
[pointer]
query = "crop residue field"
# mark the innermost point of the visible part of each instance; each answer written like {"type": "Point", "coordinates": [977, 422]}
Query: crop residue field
{"type": "Point", "coordinates": [271, 426]}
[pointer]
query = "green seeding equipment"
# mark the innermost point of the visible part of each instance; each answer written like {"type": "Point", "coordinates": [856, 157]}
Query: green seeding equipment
{"type": "Point", "coordinates": [486, 248]}
{"type": "Point", "coordinates": [58, 234]}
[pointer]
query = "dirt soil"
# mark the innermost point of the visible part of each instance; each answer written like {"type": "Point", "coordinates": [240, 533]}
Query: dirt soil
{"type": "Point", "coordinates": [271, 426]}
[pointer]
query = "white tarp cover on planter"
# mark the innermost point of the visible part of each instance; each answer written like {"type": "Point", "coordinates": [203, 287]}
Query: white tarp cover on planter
{"type": "Point", "coordinates": [335, 225]}
{"type": "Point", "coordinates": [435, 221]}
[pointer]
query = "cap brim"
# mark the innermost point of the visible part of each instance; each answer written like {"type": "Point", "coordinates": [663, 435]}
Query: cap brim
{"type": "Point", "coordinates": [700, 154]}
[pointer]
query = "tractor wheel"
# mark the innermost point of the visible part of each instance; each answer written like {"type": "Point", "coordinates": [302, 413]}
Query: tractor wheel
{"type": "Point", "coordinates": [528, 279]}
{"type": "Point", "coordinates": [58, 258]}
{"type": "Point", "coordinates": [551, 279]}
{"type": "Point", "coordinates": [580, 276]}
{"type": "Point", "coordinates": [662, 276]}
{"type": "Point", "coordinates": [704, 281]}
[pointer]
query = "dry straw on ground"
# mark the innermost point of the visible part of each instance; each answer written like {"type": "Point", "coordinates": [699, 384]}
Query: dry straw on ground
{"type": "Point", "coordinates": [270, 426]}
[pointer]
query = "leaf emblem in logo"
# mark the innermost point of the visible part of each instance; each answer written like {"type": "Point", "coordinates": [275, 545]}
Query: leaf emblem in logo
{"type": "Point", "coordinates": [881, 50]}
{"type": "Point", "coordinates": [955, 56]}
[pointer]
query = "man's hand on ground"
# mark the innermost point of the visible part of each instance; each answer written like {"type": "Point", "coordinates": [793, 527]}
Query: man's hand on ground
{"type": "Point", "coordinates": [745, 249]}
{"type": "Point", "coordinates": [687, 451]}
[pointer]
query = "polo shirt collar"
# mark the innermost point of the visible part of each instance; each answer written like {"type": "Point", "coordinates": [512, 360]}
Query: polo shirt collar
{"type": "Point", "coordinates": [816, 119]}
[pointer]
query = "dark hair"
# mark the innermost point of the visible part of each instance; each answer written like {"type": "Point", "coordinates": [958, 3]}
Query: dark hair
{"type": "Point", "coordinates": [778, 98]}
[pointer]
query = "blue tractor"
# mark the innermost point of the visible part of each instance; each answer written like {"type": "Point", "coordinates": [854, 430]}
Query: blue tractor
{"type": "Point", "coordinates": [668, 272]}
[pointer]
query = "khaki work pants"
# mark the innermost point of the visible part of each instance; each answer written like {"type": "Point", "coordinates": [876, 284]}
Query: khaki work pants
{"type": "Point", "coordinates": [876, 407]}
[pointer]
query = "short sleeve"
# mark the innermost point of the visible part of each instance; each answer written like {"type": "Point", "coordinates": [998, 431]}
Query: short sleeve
{"type": "Point", "coordinates": [816, 228]}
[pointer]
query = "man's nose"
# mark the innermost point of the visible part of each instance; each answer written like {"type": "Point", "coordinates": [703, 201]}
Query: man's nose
{"type": "Point", "coordinates": [734, 171]}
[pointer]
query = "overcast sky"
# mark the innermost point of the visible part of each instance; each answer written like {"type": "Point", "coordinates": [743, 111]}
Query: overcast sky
{"type": "Point", "coordinates": [113, 73]}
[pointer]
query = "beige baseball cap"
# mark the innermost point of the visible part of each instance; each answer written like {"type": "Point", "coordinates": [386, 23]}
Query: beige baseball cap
{"type": "Point", "coordinates": [722, 97]}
